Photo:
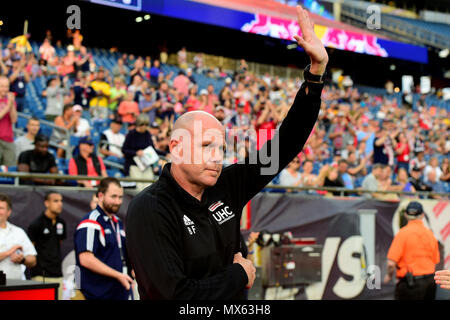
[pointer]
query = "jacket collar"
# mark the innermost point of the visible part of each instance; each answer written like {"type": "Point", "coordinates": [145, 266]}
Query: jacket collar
{"type": "Point", "coordinates": [167, 178]}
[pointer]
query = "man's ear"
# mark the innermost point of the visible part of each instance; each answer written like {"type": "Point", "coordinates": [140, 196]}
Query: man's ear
{"type": "Point", "coordinates": [175, 147]}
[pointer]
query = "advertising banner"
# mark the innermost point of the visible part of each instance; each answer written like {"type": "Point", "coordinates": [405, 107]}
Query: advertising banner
{"type": "Point", "coordinates": [353, 257]}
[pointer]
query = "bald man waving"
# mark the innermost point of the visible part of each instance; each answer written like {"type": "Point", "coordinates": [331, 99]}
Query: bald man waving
{"type": "Point", "coordinates": [183, 235]}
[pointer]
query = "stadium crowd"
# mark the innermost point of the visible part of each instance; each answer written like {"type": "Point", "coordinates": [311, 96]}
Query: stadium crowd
{"type": "Point", "coordinates": [361, 140]}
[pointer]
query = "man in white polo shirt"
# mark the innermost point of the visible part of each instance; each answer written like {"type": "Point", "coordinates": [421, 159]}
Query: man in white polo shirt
{"type": "Point", "coordinates": [16, 248]}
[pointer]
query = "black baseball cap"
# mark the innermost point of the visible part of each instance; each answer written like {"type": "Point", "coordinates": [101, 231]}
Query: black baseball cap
{"type": "Point", "coordinates": [154, 125]}
{"type": "Point", "coordinates": [414, 208]}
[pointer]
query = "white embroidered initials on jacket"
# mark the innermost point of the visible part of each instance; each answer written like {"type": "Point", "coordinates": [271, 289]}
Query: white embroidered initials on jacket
{"type": "Point", "coordinates": [189, 224]}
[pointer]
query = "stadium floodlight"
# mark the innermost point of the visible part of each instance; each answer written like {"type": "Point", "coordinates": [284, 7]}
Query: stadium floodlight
{"type": "Point", "coordinates": [139, 19]}
{"type": "Point", "coordinates": [1, 22]}
{"type": "Point", "coordinates": [147, 17]}
{"type": "Point", "coordinates": [444, 53]}
{"type": "Point", "coordinates": [292, 46]}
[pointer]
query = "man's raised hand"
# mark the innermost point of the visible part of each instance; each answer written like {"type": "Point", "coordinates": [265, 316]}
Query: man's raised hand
{"type": "Point", "coordinates": [311, 43]}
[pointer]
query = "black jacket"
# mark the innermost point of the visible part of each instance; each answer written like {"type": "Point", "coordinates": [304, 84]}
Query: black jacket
{"type": "Point", "coordinates": [182, 248]}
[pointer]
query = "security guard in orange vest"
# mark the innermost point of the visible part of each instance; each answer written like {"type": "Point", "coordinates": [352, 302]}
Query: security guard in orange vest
{"type": "Point", "coordinates": [414, 253]}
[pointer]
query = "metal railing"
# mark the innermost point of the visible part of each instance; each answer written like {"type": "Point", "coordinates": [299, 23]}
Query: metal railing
{"type": "Point", "coordinates": [342, 191]}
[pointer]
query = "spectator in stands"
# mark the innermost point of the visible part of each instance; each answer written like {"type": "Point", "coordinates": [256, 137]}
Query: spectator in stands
{"type": "Point", "coordinates": [81, 91]}
{"type": "Point", "coordinates": [329, 177]}
{"type": "Point", "coordinates": [120, 70]}
{"type": "Point", "coordinates": [154, 72]}
{"type": "Point", "coordinates": [111, 142]}
{"type": "Point", "coordinates": [67, 67]}
{"type": "Point", "coordinates": [18, 79]}
{"type": "Point", "coordinates": [16, 248]}
{"type": "Point", "coordinates": [46, 50]}
{"type": "Point", "coordinates": [212, 97]}
{"type": "Point", "coordinates": [357, 168]}
{"type": "Point", "coordinates": [87, 163]}
{"type": "Point", "coordinates": [198, 63]}
{"type": "Point", "coordinates": [267, 120]}
{"type": "Point", "coordinates": [435, 184]}
{"type": "Point", "coordinates": [433, 165]}
{"type": "Point", "coordinates": [118, 93]}
{"type": "Point", "coordinates": [181, 83]}
{"type": "Point", "coordinates": [419, 161]}
{"type": "Point", "coordinates": [372, 181]}
{"type": "Point", "coordinates": [138, 69]}
{"type": "Point", "coordinates": [162, 145]}
{"type": "Point", "coordinates": [139, 94]}
{"type": "Point", "coordinates": [193, 101]}
{"type": "Point", "coordinates": [47, 232]}
{"type": "Point", "coordinates": [402, 183]}
{"type": "Point", "coordinates": [308, 179]}
{"type": "Point", "coordinates": [154, 130]}
{"type": "Point", "coordinates": [148, 64]}
{"type": "Point", "coordinates": [26, 142]}
{"type": "Point", "coordinates": [147, 105]}
{"type": "Point", "coordinates": [401, 147]}
{"type": "Point", "coordinates": [349, 147]}
{"type": "Point", "coordinates": [190, 75]}
{"type": "Point", "coordinates": [416, 180]}
{"type": "Point", "coordinates": [8, 117]}
{"type": "Point", "coordinates": [164, 102]}
{"type": "Point", "coordinates": [382, 146]}
{"type": "Point", "coordinates": [182, 58]}
{"type": "Point", "coordinates": [136, 142]}
{"type": "Point", "coordinates": [128, 109]}
{"type": "Point", "coordinates": [99, 104]}
{"type": "Point", "coordinates": [337, 133]}
{"type": "Point", "coordinates": [82, 127]}
{"type": "Point", "coordinates": [55, 99]}
{"type": "Point", "coordinates": [344, 175]}
{"type": "Point", "coordinates": [82, 61]}
{"type": "Point", "coordinates": [291, 176]}
{"type": "Point", "coordinates": [366, 135]}
{"type": "Point", "coordinates": [445, 167]}
{"type": "Point", "coordinates": [3, 68]}
{"type": "Point", "coordinates": [136, 83]}
{"type": "Point", "coordinates": [32, 67]}
{"type": "Point", "coordinates": [66, 124]}
{"type": "Point", "coordinates": [38, 160]}
{"type": "Point", "coordinates": [385, 180]}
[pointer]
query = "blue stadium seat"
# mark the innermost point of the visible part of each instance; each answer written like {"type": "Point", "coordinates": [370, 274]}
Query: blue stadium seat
{"type": "Point", "coordinates": [6, 180]}
{"type": "Point", "coordinates": [46, 130]}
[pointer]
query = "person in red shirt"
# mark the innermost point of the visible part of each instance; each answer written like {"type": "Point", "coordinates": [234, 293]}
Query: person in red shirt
{"type": "Point", "coordinates": [8, 117]}
{"type": "Point", "coordinates": [129, 109]}
{"type": "Point", "coordinates": [87, 163]}
{"type": "Point", "coordinates": [402, 152]}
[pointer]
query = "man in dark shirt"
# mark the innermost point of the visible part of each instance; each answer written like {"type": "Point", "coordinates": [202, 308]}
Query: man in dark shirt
{"type": "Point", "coordinates": [47, 233]}
{"type": "Point", "coordinates": [183, 232]}
{"type": "Point", "coordinates": [136, 142]}
{"type": "Point", "coordinates": [416, 180]}
{"type": "Point", "coordinates": [38, 160]}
